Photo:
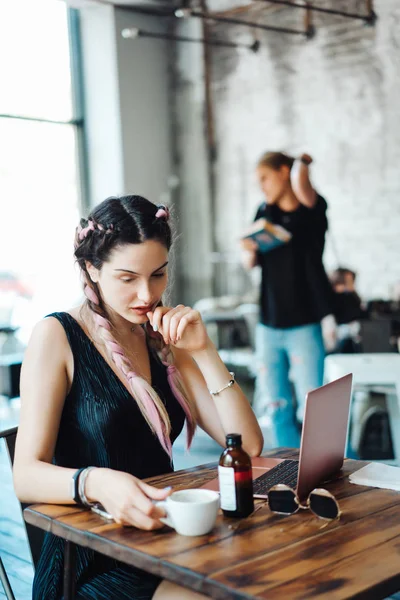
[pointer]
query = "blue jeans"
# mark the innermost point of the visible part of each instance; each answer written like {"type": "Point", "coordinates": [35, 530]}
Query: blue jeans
{"type": "Point", "coordinates": [298, 351]}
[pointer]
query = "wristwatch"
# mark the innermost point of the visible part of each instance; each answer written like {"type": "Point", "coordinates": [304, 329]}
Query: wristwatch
{"type": "Point", "coordinates": [75, 486]}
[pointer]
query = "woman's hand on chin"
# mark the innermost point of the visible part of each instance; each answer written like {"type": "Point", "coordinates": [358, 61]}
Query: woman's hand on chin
{"type": "Point", "coordinates": [181, 327]}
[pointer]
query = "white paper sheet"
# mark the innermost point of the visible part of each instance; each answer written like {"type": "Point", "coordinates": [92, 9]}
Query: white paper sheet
{"type": "Point", "coordinates": [377, 475]}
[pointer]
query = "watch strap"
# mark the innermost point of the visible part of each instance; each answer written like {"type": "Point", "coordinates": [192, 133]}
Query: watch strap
{"type": "Point", "coordinates": [75, 486]}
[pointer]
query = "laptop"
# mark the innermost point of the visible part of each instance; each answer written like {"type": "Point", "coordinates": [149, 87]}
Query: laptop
{"type": "Point", "coordinates": [322, 448]}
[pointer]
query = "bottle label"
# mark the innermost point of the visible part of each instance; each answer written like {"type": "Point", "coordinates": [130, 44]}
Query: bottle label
{"type": "Point", "coordinates": [227, 488]}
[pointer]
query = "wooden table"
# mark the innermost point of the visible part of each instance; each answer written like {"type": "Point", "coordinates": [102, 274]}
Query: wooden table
{"type": "Point", "coordinates": [262, 556]}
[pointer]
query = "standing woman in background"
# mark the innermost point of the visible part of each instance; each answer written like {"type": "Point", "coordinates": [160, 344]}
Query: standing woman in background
{"type": "Point", "coordinates": [106, 388]}
{"type": "Point", "coordinates": [295, 294]}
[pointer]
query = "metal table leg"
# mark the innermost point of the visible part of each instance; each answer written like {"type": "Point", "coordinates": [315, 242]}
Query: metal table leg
{"type": "Point", "coordinates": [69, 570]}
{"type": "Point", "coordinates": [6, 584]}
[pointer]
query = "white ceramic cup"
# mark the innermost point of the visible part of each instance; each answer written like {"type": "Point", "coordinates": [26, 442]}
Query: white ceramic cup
{"type": "Point", "coordinates": [191, 512]}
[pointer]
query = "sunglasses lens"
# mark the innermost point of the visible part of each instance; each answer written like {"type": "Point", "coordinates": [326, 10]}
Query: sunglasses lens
{"type": "Point", "coordinates": [282, 501]}
{"type": "Point", "coordinates": [323, 506]}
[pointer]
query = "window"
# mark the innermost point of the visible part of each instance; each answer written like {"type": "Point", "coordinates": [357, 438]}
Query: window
{"type": "Point", "coordinates": [41, 129]}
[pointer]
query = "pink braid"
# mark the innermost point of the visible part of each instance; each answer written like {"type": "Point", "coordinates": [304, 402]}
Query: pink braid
{"type": "Point", "coordinates": [83, 231]}
{"type": "Point", "coordinates": [138, 386]}
{"type": "Point", "coordinates": [92, 226]}
{"type": "Point", "coordinates": [139, 390]}
{"type": "Point", "coordinates": [175, 381]}
{"type": "Point", "coordinates": [91, 295]}
{"type": "Point", "coordinates": [163, 212]}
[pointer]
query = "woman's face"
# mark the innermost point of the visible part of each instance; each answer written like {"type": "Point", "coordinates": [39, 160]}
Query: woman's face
{"type": "Point", "coordinates": [274, 184]}
{"type": "Point", "coordinates": [133, 279]}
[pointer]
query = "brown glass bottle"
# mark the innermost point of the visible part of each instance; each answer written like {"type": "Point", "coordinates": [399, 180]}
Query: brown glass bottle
{"type": "Point", "coordinates": [235, 479]}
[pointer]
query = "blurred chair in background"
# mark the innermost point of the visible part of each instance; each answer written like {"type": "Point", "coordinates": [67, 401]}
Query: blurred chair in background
{"type": "Point", "coordinates": [378, 373]}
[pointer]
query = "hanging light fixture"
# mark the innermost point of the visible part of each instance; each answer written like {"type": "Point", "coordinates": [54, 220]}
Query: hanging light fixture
{"type": "Point", "coordinates": [183, 13]}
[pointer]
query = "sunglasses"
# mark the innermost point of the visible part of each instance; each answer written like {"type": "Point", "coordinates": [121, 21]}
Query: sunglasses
{"type": "Point", "coordinates": [283, 500]}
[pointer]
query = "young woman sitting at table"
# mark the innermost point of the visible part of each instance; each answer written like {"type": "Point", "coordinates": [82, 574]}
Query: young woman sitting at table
{"type": "Point", "coordinates": [106, 388]}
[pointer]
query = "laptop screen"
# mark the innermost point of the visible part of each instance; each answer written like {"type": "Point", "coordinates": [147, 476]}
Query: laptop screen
{"type": "Point", "coordinates": [324, 434]}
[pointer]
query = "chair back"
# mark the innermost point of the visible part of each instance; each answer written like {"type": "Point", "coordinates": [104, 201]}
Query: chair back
{"type": "Point", "coordinates": [375, 335]}
{"type": "Point", "coordinates": [35, 535]}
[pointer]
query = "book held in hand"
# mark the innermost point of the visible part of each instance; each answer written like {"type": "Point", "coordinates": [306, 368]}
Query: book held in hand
{"type": "Point", "coordinates": [267, 235]}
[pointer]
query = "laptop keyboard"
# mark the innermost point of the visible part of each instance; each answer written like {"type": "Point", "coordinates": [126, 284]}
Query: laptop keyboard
{"type": "Point", "coordinates": [284, 472]}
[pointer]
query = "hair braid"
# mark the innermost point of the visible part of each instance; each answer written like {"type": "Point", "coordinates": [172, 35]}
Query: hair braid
{"type": "Point", "coordinates": [176, 384]}
{"type": "Point", "coordinates": [150, 405]}
{"type": "Point", "coordinates": [178, 389]}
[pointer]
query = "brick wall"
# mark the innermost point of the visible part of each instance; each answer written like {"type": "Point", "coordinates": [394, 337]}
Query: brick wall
{"type": "Point", "coordinates": [337, 97]}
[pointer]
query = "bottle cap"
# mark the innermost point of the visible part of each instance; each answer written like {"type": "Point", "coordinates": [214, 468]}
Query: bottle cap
{"type": "Point", "coordinates": [233, 439]}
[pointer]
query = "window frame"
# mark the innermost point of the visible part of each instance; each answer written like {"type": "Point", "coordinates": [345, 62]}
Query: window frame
{"type": "Point", "coordinates": [78, 108]}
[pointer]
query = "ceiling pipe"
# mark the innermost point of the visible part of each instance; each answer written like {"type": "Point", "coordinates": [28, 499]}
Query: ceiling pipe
{"type": "Point", "coordinates": [143, 10]}
{"type": "Point", "coordinates": [308, 23]}
{"type": "Point", "coordinates": [370, 18]}
{"type": "Point", "coordinates": [134, 33]}
{"type": "Point", "coordinates": [187, 12]}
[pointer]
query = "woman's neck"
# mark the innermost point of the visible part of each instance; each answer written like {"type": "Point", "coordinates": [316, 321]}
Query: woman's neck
{"type": "Point", "coordinates": [288, 202]}
{"type": "Point", "coordinates": [126, 332]}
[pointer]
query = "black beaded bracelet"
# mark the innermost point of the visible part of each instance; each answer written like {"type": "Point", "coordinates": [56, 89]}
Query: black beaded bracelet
{"type": "Point", "coordinates": [75, 486]}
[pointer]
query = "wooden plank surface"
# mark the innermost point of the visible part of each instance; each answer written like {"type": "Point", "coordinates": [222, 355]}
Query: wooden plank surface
{"type": "Point", "coordinates": [264, 555]}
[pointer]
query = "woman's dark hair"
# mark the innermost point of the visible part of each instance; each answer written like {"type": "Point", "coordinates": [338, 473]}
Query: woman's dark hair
{"type": "Point", "coordinates": [275, 160]}
{"type": "Point", "coordinates": [115, 222]}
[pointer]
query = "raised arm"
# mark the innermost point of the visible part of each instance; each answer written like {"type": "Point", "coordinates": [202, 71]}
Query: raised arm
{"type": "Point", "coordinates": [300, 180]}
{"type": "Point", "coordinates": [202, 370]}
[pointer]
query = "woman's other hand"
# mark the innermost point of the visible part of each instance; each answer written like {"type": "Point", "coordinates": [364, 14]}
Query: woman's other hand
{"type": "Point", "coordinates": [306, 158]}
{"type": "Point", "coordinates": [248, 244]}
{"type": "Point", "coordinates": [129, 500]}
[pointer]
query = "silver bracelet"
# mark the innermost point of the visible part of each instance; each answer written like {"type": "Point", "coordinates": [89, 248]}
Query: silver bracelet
{"type": "Point", "coordinates": [228, 385]}
{"type": "Point", "coordinates": [82, 481]}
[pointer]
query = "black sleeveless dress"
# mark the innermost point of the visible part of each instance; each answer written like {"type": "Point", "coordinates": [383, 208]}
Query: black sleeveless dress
{"type": "Point", "coordinates": [101, 425]}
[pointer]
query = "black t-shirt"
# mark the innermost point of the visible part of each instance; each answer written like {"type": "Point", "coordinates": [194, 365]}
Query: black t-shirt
{"type": "Point", "coordinates": [295, 289]}
{"type": "Point", "coordinates": [347, 307]}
